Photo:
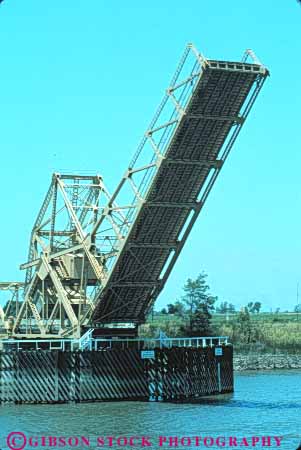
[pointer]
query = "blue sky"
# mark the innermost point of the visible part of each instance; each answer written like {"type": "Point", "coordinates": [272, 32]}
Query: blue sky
{"type": "Point", "coordinates": [79, 83]}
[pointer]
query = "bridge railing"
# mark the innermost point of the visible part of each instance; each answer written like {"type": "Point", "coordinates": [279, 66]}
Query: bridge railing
{"type": "Point", "coordinates": [150, 344]}
{"type": "Point", "coordinates": [103, 344]}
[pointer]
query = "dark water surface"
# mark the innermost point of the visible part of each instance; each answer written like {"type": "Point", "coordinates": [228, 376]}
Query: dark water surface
{"type": "Point", "coordinates": [264, 404]}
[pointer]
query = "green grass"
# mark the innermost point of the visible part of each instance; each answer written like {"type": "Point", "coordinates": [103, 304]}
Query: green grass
{"type": "Point", "coordinates": [267, 330]}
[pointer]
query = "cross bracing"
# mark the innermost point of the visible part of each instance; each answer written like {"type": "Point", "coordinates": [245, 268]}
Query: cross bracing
{"type": "Point", "coordinates": [186, 145]}
{"type": "Point", "coordinates": [101, 258]}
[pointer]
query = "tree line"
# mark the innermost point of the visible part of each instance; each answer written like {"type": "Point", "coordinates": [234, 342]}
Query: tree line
{"type": "Point", "coordinates": [197, 305]}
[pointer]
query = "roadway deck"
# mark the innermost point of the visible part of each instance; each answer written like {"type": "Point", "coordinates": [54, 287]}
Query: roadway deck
{"type": "Point", "coordinates": [209, 124]}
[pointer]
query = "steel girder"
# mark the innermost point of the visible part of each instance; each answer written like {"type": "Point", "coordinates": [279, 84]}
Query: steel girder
{"type": "Point", "coordinates": [63, 266]}
{"type": "Point", "coordinates": [171, 175]}
{"type": "Point", "coordinates": [96, 257]}
{"type": "Point", "coordinates": [11, 296]}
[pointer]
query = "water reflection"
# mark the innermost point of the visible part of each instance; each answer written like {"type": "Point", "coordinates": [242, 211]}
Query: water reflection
{"type": "Point", "coordinates": [263, 404]}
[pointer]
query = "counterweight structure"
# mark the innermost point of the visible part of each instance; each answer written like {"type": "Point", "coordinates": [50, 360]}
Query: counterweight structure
{"type": "Point", "coordinates": [101, 260]}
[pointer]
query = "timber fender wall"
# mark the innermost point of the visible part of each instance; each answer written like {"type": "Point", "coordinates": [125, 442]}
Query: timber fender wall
{"type": "Point", "coordinates": [175, 374]}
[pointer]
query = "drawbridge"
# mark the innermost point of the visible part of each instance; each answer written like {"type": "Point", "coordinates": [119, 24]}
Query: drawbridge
{"type": "Point", "coordinates": [100, 259]}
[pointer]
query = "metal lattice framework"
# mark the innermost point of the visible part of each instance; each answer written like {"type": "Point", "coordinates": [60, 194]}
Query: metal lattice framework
{"type": "Point", "coordinates": [11, 294]}
{"type": "Point", "coordinates": [63, 262]}
{"type": "Point", "coordinates": [171, 175]}
{"type": "Point", "coordinates": [101, 258]}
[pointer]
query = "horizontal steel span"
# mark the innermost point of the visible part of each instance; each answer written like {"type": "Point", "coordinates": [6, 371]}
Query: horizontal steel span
{"type": "Point", "coordinates": [187, 144]}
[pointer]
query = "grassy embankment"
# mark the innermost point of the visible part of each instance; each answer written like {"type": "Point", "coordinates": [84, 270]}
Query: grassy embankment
{"type": "Point", "coordinates": [265, 332]}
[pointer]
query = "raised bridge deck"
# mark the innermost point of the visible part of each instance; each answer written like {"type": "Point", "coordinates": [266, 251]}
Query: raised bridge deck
{"type": "Point", "coordinates": [209, 108]}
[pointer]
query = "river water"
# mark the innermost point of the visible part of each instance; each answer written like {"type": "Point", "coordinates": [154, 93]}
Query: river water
{"type": "Point", "coordinates": [264, 404]}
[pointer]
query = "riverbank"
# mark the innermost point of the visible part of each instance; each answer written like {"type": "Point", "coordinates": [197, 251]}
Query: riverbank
{"type": "Point", "coordinates": [265, 361]}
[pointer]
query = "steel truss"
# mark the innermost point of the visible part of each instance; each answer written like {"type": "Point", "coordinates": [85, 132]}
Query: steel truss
{"type": "Point", "coordinates": [11, 296]}
{"type": "Point", "coordinates": [64, 263]}
{"type": "Point", "coordinates": [171, 175]}
{"type": "Point", "coordinates": [101, 258]}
